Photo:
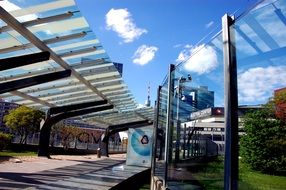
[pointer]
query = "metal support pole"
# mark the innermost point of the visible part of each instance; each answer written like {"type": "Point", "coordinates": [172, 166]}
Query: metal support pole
{"type": "Point", "coordinates": [178, 124]}
{"type": "Point", "coordinates": [168, 140]}
{"type": "Point", "coordinates": [188, 143]}
{"type": "Point", "coordinates": [184, 144]}
{"type": "Point", "coordinates": [155, 133]}
{"type": "Point", "coordinates": [231, 104]}
{"type": "Point", "coordinates": [155, 137]}
{"type": "Point", "coordinates": [31, 81]}
{"type": "Point", "coordinates": [44, 140]}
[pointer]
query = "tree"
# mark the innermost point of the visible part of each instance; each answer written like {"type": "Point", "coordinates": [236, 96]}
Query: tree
{"type": "Point", "coordinates": [24, 121]}
{"type": "Point", "coordinates": [68, 134]}
{"type": "Point", "coordinates": [279, 103]}
{"type": "Point", "coordinates": [5, 140]}
{"type": "Point", "coordinates": [56, 131]}
{"type": "Point", "coordinates": [263, 147]}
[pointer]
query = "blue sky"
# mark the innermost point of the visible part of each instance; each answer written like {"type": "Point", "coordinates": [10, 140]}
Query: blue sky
{"type": "Point", "coordinates": [146, 36]}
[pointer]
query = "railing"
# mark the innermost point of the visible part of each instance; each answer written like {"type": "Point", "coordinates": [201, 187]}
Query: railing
{"type": "Point", "coordinates": [114, 147]}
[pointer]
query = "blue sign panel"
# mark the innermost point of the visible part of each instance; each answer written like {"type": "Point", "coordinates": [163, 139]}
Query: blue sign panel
{"type": "Point", "coordinates": [139, 148]}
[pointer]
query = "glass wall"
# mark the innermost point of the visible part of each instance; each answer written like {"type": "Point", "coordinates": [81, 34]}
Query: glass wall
{"type": "Point", "coordinates": [194, 86]}
{"type": "Point", "coordinates": [198, 87]}
{"type": "Point", "coordinates": [159, 168]}
{"type": "Point", "coordinates": [260, 37]}
{"type": "Point", "coordinates": [191, 122]}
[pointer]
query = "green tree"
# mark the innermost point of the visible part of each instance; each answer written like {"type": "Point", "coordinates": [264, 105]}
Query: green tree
{"type": "Point", "coordinates": [5, 140]}
{"type": "Point", "coordinates": [24, 121]}
{"type": "Point", "coordinates": [263, 146]}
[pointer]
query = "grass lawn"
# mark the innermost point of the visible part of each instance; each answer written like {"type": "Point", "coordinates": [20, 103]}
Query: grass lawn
{"type": "Point", "coordinates": [8, 153]}
{"type": "Point", "coordinates": [211, 177]}
{"type": "Point", "coordinates": [252, 180]}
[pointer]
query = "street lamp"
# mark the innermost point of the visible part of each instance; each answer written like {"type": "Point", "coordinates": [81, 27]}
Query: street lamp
{"type": "Point", "coordinates": [179, 97]}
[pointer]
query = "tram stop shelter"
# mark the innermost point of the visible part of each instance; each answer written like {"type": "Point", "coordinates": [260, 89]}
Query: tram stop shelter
{"type": "Point", "coordinates": [51, 60]}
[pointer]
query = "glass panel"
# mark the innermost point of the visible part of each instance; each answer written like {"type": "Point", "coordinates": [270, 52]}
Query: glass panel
{"type": "Point", "coordinates": [60, 26]}
{"type": "Point", "coordinates": [159, 152]}
{"type": "Point", "coordinates": [261, 59]}
{"type": "Point", "coordinates": [10, 97]}
{"type": "Point", "coordinates": [23, 8]}
{"type": "Point", "coordinates": [197, 129]}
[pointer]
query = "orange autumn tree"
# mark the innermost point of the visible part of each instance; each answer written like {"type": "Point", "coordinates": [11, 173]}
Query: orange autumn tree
{"type": "Point", "coordinates": [279, 101]}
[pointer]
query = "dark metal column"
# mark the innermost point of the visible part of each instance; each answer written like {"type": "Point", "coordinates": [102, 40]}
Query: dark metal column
{"type": "Point", "coordinates": [155, 133]}
{"type": "Point", "coordinates": [62, 113]}
{"type": "Point", "coordinates": [44, 140]}
{"type": "Point", "coordinates": [178, 123]}
{"type": "Point", "coordinates": [105, 143]}
{"type": "Point", "coordinates": [184, 142]}
{"type": "Point", "coordinates": [169, 123]}
{"type": "Point", "coordinates": [231, 105]}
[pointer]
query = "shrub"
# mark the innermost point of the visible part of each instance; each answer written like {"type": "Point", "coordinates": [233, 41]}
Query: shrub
{"type": "Point", "coordinates": [5, 140]}
{"type": "Point", "coordinates": [264, 144]}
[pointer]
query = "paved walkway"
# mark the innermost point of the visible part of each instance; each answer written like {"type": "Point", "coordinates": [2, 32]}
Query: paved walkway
{"type": "Point", "coordinates": [66, 172]}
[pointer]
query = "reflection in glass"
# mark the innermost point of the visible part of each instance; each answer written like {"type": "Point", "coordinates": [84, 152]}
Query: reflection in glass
{"type": "Point", "coordinates": [260, 42]}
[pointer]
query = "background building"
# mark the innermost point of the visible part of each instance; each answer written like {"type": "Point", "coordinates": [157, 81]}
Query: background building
{"type": "Point", "coordinates": [209, 123]}
{"type": "Point", "coordinates": [195, 99]}
{"type": "Point", "coordinates": [119, 67]}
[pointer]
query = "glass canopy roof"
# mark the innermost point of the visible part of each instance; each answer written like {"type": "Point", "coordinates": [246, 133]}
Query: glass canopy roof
{"type": "Point", "coordinates": [57, 26]}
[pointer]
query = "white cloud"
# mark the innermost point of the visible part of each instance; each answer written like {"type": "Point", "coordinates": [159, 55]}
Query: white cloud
{"type": "Point", "coordinates": [121, 22]}
{"type": "Point", "coordinates": [144, 54]}
{"type": "Point", "coordinates": [208, 25]}
{"type": "Point", "coordinates": [257, 84]}
{"type": "Point", "coordinates": [199, 59]}
{"type": "Point", "coordinates": [177, 46]}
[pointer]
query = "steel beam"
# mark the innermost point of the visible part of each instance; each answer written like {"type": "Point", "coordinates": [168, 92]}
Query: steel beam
{"type": "Point", "coordinates": [100, 70]}
{"type": "Point", "coordinates": [73, 107]}
{"type": "Point", "coordinates": [62, 92]}
{"type": "Point", "coordinates": [19, 61]}
{"type": "Point", "coordinates": [28, 97]}
{"type": "Point", "coordinates": [89, 63]}
{"type": "Point", "coordinates": [40, 21]}
{"type": "Point", "coordinates": [70, 96]}
{"type": "Point", "coordinates": [27, 82]}
{"type": "Point", "coordinates": [78, 52]}
{"type": "Point", "coordinates": [113, 89]}
{"type": "Point", "coordinates": [48, 41]}
{"type": "Point", "coordinates": [38, 89]}
{"type": "Point", "coordinates": [76, 100]}
{"type": "Point", "coordinates": [17, 26]}
{"type": "Point", "coordinates": [51, 120]}
{"type": "Point", "coordinates": [29, 74]}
